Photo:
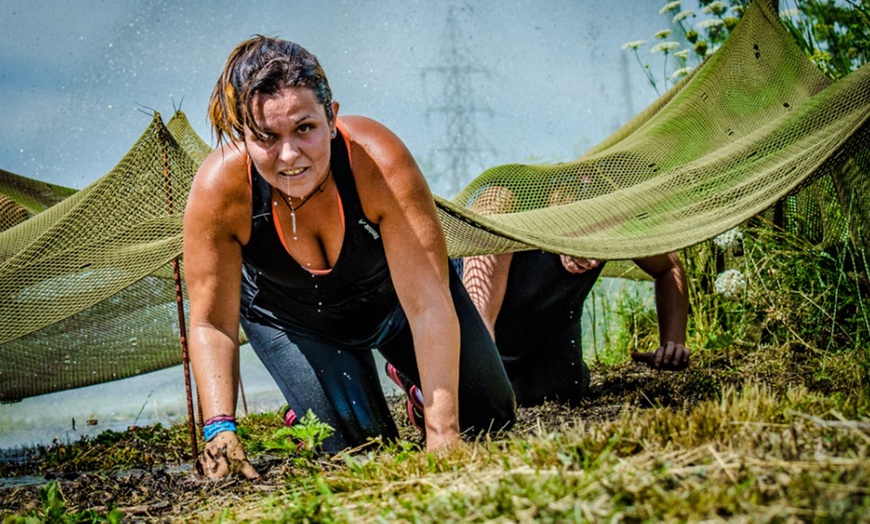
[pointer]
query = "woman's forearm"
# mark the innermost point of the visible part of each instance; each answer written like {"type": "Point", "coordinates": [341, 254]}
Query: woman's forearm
{"type": "Point", "coordinates": [215, 360]}
{"type": "Point", "coordinates": [437, 341]}
{"type": "Point", "coordinates": [672, 306]}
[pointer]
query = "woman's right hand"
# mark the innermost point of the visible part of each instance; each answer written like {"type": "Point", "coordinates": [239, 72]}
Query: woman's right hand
{"type": "Point", "coordinates": [224, 455]}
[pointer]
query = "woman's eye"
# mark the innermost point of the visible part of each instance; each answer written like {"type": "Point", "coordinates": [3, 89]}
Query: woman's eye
{"type": "Point", "coordinates": [304, 128]}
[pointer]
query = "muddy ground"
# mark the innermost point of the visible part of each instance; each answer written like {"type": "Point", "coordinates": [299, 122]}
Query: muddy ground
{"type": "Point", "coordinates": [158, 482]}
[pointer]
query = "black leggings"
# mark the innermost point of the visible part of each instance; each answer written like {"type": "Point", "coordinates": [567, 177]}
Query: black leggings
{"type": "Point", "coordinates": [341, 385]}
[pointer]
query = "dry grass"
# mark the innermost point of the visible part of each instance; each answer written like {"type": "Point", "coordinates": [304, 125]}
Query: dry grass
{"type": "Point", "coordinates": [752, 455]}
{"type": "Point", "coordinates": [723, 441]}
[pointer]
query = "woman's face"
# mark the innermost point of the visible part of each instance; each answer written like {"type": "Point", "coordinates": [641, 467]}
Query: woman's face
{"type": "Point", "coordinates": [292, 151]}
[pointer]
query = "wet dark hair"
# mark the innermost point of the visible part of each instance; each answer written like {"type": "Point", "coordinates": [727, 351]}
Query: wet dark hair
{"type": "Point", "coordinates": [262, 65]}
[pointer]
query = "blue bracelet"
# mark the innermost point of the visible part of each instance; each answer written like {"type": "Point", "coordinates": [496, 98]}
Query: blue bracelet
{"type": "Point", "coordinates": [210, 430]}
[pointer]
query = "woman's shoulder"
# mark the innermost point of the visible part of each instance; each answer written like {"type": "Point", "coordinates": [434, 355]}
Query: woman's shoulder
{"type": "Point", "coordinates": [221, 183]}
{"type": "Point", "coordinates": [223, 170]}
{"type": "Point", "coordinates": [371, 136]}
{"type": "Point", "coordinates": [361, 125]}
{"type": "Point", "coordinates": [382, 165]}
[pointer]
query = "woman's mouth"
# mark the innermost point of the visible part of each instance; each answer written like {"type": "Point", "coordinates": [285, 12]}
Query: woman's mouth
{"type": "Point", "coordinates": [291, 172]}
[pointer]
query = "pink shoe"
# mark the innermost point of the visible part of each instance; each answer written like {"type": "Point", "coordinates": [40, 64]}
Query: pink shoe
{"type": "Point", "coordinates": [415, 397]}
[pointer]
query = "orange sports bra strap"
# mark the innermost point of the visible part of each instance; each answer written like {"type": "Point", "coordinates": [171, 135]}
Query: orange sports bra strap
{"type": "Point", "coordinates": [248, 163]}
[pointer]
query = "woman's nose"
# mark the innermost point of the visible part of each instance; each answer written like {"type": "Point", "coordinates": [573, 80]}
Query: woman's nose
{"type": "Point", "coordinates": [288, 151]}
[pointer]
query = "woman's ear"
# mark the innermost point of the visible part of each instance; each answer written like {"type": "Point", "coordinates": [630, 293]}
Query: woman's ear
{"type": "Point", "coordinates": [332, 126]}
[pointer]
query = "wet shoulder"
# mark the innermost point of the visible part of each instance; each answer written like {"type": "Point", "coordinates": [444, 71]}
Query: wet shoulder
{"type": "Point", "coordinates": [222, 178]}
{"type": "Point", "coordinates": [221, 191]}
{"type": "Point", "coordinates": [380, 161]}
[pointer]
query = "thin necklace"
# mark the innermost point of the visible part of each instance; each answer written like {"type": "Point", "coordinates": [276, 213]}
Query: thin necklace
{"type": "Point", "coordinates": [318, 189]}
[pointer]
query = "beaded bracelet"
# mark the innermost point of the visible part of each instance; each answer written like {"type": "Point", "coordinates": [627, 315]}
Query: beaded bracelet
{"type": "Point", "coordinates": [213, 427]}
{"type": "Point", "coordinates": [219, 418]}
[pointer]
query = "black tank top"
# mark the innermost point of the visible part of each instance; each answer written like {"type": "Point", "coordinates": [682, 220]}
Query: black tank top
{"type": "Point", "coordinates": [352, 303]}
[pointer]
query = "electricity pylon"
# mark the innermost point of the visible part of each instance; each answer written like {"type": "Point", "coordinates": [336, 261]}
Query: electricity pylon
{"type": "Point", "coordinates": [461, 146]}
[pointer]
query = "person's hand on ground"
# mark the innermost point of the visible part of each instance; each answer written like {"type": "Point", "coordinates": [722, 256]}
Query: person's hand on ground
{"type": "Point", "coordinates": [224, 455]}
{"type": "Point", "coordinates": [439, 443]}
{"type": "Point", "coordinates": [671, 357]}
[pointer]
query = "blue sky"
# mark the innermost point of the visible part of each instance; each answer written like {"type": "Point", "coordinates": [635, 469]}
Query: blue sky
{"type": "Point", "coordinates": [76, 75]}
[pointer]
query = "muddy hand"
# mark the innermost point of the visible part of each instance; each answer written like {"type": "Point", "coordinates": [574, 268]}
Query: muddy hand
{"type": "Point", "coordinates": [671, 357]}
{"type": "Point", "coordinates": [224, 455]}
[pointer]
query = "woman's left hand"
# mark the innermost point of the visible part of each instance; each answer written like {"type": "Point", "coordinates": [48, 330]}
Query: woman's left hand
{"type": "Point", "coordinates": [442, 441]}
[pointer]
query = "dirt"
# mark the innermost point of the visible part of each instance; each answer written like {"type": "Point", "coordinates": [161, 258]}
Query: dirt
{"type": "Point", "coordinates": [158, 482]}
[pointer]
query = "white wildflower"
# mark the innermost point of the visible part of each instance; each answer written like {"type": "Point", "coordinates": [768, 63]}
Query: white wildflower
{"type": "Point", "coordinates": [684, 54]}
{"type": "Point", "coordinates": [730, 283]}
{"type": "Point", "coordinates": [680, 73]}
{"type": "Point", "coordinates": [715, 8]}
{"type": "Point", "coordinates": [729, 239]}
{"type": "Point", "coordinates": [664, 33]}
{"type": "Point", "coordinates": [665, 47]}
{"type": "Point", "coordinates": [670, 6]}
{"type": "Point", "coordinates": [634, 45]}
{"type": "Point", "coordinates": [711, 22]}
{"type": "Point", "coordinates": [682, 15]}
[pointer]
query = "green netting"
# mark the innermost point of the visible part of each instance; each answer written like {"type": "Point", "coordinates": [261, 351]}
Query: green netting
{"type": "Point", "coordinates": [86, 288]}
{"type": "Point", "coordinates": [753, 124]}
{"type": "Point", "coordinates": [21, 198]}
{"type": "Point", "coordinates": [87, 285]}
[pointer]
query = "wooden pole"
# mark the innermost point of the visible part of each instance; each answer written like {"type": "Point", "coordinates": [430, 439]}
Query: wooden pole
{"type": "Point", "coordinates": [179, 302]}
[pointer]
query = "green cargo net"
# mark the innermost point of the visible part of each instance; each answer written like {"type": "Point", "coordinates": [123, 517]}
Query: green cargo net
{"type": "Point", "coordinates": [754, 123]}
{"type": "Point", "coordinates": [86, 287]}
{"type": "Point", "coordinates": [21, 198]}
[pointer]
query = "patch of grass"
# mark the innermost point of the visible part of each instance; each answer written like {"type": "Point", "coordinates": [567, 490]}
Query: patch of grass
{"type": "Point", "coordinates": [54, 510]}
{"type": "Point", "coordinates": [720, 441]}
{"type": "Point", "coordinates": [752, 454]}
